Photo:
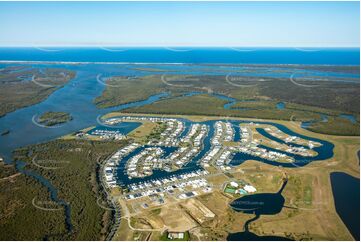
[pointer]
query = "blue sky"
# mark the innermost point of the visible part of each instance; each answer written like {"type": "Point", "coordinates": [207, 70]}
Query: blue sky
{"type": "Point", "coordinates": [276, 24]}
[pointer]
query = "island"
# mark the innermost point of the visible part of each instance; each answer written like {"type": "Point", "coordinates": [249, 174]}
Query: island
{"type": "Point", "coordinates": [54, 118]}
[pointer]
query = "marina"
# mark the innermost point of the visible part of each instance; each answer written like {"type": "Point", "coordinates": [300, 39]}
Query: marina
{"type": "Point", "coordinates": [144, 169]}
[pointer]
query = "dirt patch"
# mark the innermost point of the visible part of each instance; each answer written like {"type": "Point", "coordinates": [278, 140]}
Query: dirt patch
{"type": "Point", "coordinates": [198, 210]}
{"type": "Point", "coordinates": [173, 218]}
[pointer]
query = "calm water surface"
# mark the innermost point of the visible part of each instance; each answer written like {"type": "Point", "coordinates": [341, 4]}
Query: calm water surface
{"type": "Point", "coordinates": [346, 193]}
{"type": "Point", "coordinates": [324, 56]}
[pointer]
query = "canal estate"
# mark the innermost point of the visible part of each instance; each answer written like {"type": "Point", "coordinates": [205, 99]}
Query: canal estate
{"type": "Point", "coordinates": [180, 160]}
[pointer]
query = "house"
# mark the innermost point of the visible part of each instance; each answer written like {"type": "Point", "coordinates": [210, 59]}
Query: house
{"type": "Point", "coordinates": [233, 184]}
{"type": "Point", "coordinates": [250, 188]}
{"type": "Point", "coordinates": [175, 235]}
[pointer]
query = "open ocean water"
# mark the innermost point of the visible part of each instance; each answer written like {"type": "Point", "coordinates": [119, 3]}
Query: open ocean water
{"type": "Point", "coordinates": [307, 56]}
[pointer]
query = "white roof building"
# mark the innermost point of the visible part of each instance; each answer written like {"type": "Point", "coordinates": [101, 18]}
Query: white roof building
{"type": "Point", "coordinates": [233, 184]}
{"type": "Point", "coordinates": [250, 188]}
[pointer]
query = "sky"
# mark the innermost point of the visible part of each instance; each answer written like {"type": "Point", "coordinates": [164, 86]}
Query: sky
{"type": "Point", "coordinates": [260, 24]}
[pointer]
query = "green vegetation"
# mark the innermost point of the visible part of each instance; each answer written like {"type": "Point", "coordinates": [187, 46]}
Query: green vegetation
{"type": "Point", "coordinates": [302, 103]}
{"type": "Point", "coordinates": [156, 211]}
{"type": "Point", "coordinates": [123, 90]}
{"type": "Point", "coordinates": [54, 118]}
{"type": "Point", "coordinates": [308, 195]}
{"type": "Point", "coordinates": [19, 218]}
{"type": "Point", "coordinates": [195, 105]}
{"type": "Point", "coordinates": [186, 105]}
{"type": "Point", "coordinates": [141, 133]}
{"type": "Point", "coordinates": [77, 183]}
{"type": "Point", "coordinates": [336, 126]}
{"type": "Point", "coordinates": [229, 190]}
{"type": "Point", "coordinates": [21, 86]}
{"type": "Point", "coordinates": [291, 107]}
{"type": "Point", "coordinates": [340, 96]}
{"type": "Point", "coordinates": [343, 97]}
{"type": "Point", "coordinates": [155, 133]}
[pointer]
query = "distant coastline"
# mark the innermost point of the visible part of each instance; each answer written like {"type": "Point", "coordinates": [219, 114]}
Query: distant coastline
{"type": "Point", "coordinates": [180, 55]}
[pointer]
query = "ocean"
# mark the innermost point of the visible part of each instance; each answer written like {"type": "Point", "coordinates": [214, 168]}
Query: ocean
{"type": "Point", "coordinates": [305, 56]}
